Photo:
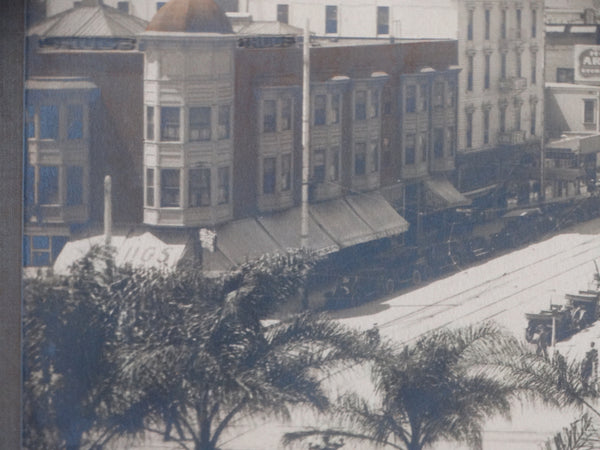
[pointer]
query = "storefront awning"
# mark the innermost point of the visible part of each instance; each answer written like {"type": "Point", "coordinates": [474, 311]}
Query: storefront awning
{"type": "Point", "coordinates": [441, 194]}
{"type": "Point", "coordinates": [381, 217]}
{"type": "Point", "coordinates": [284, 228]}
{"type": "Point", "coordinates": [243, 240]}
{"type": "Point", "coordinates": [527, 212]}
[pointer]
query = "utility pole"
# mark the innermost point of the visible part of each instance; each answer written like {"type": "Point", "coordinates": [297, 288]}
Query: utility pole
{"type": "Point", "coordinates": [305, 135]}
{"type": "Point", "coordinates": [107, 210]}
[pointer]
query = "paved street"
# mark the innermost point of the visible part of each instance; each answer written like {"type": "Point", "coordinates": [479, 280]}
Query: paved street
{"type": "Point", "coordinates": [502, 289]}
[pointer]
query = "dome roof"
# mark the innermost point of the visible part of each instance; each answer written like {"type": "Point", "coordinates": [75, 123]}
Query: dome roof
{"type": "Point", "coordinates": [190, 16]}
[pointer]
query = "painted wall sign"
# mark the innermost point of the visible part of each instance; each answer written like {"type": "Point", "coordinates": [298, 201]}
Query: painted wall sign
{"type": "Point", "coordinates": [587, 63]}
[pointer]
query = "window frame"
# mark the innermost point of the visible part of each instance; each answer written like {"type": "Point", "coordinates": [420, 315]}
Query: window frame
{"type": "Point", "coordinates": [286, 172]}
{"type": "Point", "coordinates": [45, 197]}
{"type": "Point", "coordinates": [150, 181]}
{"type": "Point", "coordinates": [199, 187]}
{"type": "Point", "coordinates": [170, 189]}
{"type": "Point", "coordinates": [199, 123]}
{"type": "Point", "coordinates": [170, 127]}
{"type": "Point", "coordinates": [269, 118]}
{"type": "Point", "coordinates": [75, 121]}
{"type": "Point", "coordinates": [49, 117]}
{"type": "Point", "coordinates": [331, 24]}
{"type": "Point", "coordinates": [150, 122]}
{"type": "Point", "coordinates": [320, 110]}
{"type": "Point", "coordinates": [223, 185]}
{"type": "Point", "coordinates": [269, 179]}
{"type": "Point", "coordinates": [410, 101]}
{"type": "Point", "coordinates": [469, 130]}
{"type": "Point", "coordinates": [410, 150]}
{"type": "Point", "coordinates": [319, 165]}
{"type": "Point", "coordinates": [283, 12]}
{"type": "Point", "coordinates": [74, 194]}
{"type": "Point", "coordinates": [589, 115]}
{"type": "Point", "coordinates": [224, 122]}
{"type": "Point", "coordinates": [383, 20]}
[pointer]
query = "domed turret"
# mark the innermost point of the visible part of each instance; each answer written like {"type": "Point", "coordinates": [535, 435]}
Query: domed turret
{"type": "Point", "coordinates": [190, 16]}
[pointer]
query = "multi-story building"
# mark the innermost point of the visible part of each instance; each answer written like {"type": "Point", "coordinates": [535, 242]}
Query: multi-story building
{"type": "Point", "coordinates": [500, 52]}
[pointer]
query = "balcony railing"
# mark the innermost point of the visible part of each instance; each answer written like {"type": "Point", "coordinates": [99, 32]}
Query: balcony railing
{"type": "Point", "coordinates": [511, 138]}
{"type": "Point", "coordinates": [513, 84]}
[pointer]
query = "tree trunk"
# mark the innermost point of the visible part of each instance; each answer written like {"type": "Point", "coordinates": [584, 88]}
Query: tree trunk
{"type": "Point", "coordinates": [204, 442]}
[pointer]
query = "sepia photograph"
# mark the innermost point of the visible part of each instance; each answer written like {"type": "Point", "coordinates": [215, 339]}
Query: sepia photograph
{"type": "Point", "coordinates": [306, 225]}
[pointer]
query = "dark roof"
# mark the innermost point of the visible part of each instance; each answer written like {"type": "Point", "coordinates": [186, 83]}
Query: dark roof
{"type": "Point", "coordinates": [190, 16]}
{"type": "Point", "coordinates": [90, 20]}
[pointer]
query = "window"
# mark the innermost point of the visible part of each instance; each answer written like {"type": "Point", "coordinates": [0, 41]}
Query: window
{"type": "Point", "coordinates": [286, 172]}
{"type": "Point", "coordinates": [123, 7]}
{"type": "Point", "coordinates": [169, 188]}
{"type": "Point", "coordinates": [149, 187]}
{"type": "Point", "coordinates": [409, 149]}
{"type": "Point", "coordinates": [503, 24]}
{"type": "Point", "coordinates": [533, 23]}
{"type": "Point", "coordinates": [335, 108]}
{"type": "Point", "coordinates": [503, 65]}
{"type": "Point", "coordinates": [30, 122]}
{"type": "Point", "coordinates": [374, 109]}
{"type": "Point", "coordinates": [438, 143]}
{"type": "Point", "coordinates": [519, 24]}
{"type": "Point", "coordinates": [48, 122]}
{"type": "Point", "coordinates": [269, 116]}
{"type": "Point", "coordinates": [383, 20]}
{"type": "Point", "coordinates": [470, 73]}
{"type": "Point", "coordinates": [320, 110]}
{"type": "Point", "coordinates": [200, 126]}
{"type": "Point", "coordinates": [199, 187]}
{"type": "Point", "coordinates": [451, 139]}
{"type": "Point", "coordinates": [532, 125]}
{"type": "Point", "coordinates": [469, 131]}
{"type": "Point", "coordinates": [319, 166]}
{"type": "Point", "coordinates": [486, 77]}
{"type": "Point", "coordinates": [564, 75]}
{"type": "Point", "coordinates": [286, 114]}
{"type": "Point", "coordinates": [169, 123]}
{"type": "Point", "coordinates": [282, 13]}
{"type": "Point", "coordinates": [486, 126]}
{"type": "Point", "coordinates": [360, 105]}
{"type": "Point", "coordinates": [48, 185]}
{"type": "Point", "coordinates": [450, 98]}
{"type": "Point", "coordinates": [589, 111]}
{"type": "Point", "coordinates": [29, 186]}
{"type": "Point", "coordinates": [224, 128]}
{"type": "Point", "coordinates": [75, 122]}
{"type": "Point", "coordinates": [74, 185]}
{"type": "Point", "coordinates": [269, 174]}
{"type": "Point", "coordinates": [374, 157]}
{"type": "Point", "coordinates": [160, 5]}
{"type": "Point", "coordinates": [40, 250]}
{"type": "Point", "coordinates": [423, 146]}
{"type": "Point", "coordinates": [533, 68]}
{"type": "Point", "coordinates": [519, 65]}
{"type": "Point", "coordinates": [423, 97]}
{"type": "Point", "coordinates": [487, 25]}
{"type": "Point", "coordinates": [150, 123]}
{"type": "Point", "coordinates": [411, 99]}
{"type": "Point", "coordinates": [470, 26]}
{"type": "Point", "coordinates": [334, 167]}
{"type": "Point", "coordinates": [330, 19]}
{"type": "Point", "coordinates": [223, 186]}
{"type": "Point", "coordinates": [502, 126]}
{"type": "Point", "coordinates": [517, 117]}
{"type": "Point", "coordinates": [360, 158]}
{"type": "Point", "coordinates": [438, 95]}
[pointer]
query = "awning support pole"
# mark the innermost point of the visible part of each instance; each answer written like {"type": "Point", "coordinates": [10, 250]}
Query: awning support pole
{"type": "Point", "coordinates": [305, 135]}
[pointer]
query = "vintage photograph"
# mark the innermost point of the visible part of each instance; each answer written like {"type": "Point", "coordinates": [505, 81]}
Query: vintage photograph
{"type": "Point", "coordinates": [311, 224]}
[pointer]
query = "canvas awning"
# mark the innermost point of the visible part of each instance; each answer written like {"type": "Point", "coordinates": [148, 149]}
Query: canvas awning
{"type": "Point", "coordinates": [527, 212]}
{"type": "Point", "coordinates": [441, 194]}
{"type": "Point", "coordinates": [381, 217]}
{"type": "Point", "coordinates": [284, 228]}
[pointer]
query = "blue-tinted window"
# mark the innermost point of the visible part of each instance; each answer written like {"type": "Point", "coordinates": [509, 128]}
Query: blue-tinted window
{"type": "Point", "coordinates": [29, 122]}
{"type": "Point", "coordinates": [29, 194]}
{"type": "Point", "coordinates": [40, 242]}
{"type": "Point", "coordinates": [58, 242]}
{"type": "Point", "coordinates": [74, 186]}
{"type": "Point", "coordinates": [159, 5]}
{"type": "Point", "coordinates": [75, 122]}
{"type": "Point", "coordinates": [48, 122]}
{"type": "Point", "coordinates": [26, 251]}
{"type": "Point", "coordinates": [48, 185]}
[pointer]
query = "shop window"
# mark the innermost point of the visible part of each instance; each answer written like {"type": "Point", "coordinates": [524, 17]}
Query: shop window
{"type": "Point", "coordinates": [48, 122]}
{"type": "Point", "coordinates": [169, 188]}
{"type": "Point", "coordinates": [30, 122]}
{"type": "Point", "coordinates": [286, 172]}
{"type": "Point", "coordinates": [319, 166]}
{"type": "Point", "coordinates": [48, 185]}
{"type": "Point", "coordinates": [74, 186]}
{"type": "Point", "coordinates": [200, 124]}
{"type": "Point", "coordinates": [565, 75]}
{"type": "Point", "coordinates": [334, 164]}
{"type": "Point", "coordinates": [269, 175]}
{"type": "Point", "coordinates": [199, 187]}
{"type": "Point", "coordinates": [360, 105]}
{"type": "Point", "coordinates": [438, 95]}
{"type": "Point", "coordinates": [286, 114]}
{"type": "Point", "coordinates": [224, 127]}
{"type": "Point", "coordinates": [169, 123]}
{"type": "Point", "coordinates": [374, 157]}
{"type": "Point", "coordinates": [150, 123]}
{"type": "Point", "coordinates": [383, 20]}
{"type": "Point", "coordinates": [331, 19]}
{"type": "Point", "coordinates": [438, 143]}
{"type": "Point", "coordinates": [335, 108]}
{"type": "Point", "coordinates": [589, 112]}
{"type": "Point", "coordinates": [269, 116]}
{"type": "Point", "coordinates": [374, 109]}
{"type": "Point", "coordinates": [320, 109]}
{"type": "Point", "coordinates": [282, 13]}
{"type": "Point", "coordinates": [149, 187]}
{"type": "Point", "coordinates": [223, 186]}
{"type": "Point", "coordinates": [411, 99]}
{"type": "Point", "coordinates": [360, 159]}
{"type": "Point", "coordinates": [409, 149]}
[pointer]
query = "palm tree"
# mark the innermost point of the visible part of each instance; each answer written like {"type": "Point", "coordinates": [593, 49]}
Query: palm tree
{"type": "Point", "coordinates": [427, 392]}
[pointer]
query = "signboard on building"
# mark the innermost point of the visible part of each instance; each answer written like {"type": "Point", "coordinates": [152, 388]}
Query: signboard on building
{"type": "Point", "coordinates": [587, 63]}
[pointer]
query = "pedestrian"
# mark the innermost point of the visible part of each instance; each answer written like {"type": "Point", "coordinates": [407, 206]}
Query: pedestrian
{"type": "Point", "coordinates": [589, 367]}
{"type": "Point", "coordinates": [373, 335]}
{"type": "Point", "coordinates": [543, 339]}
